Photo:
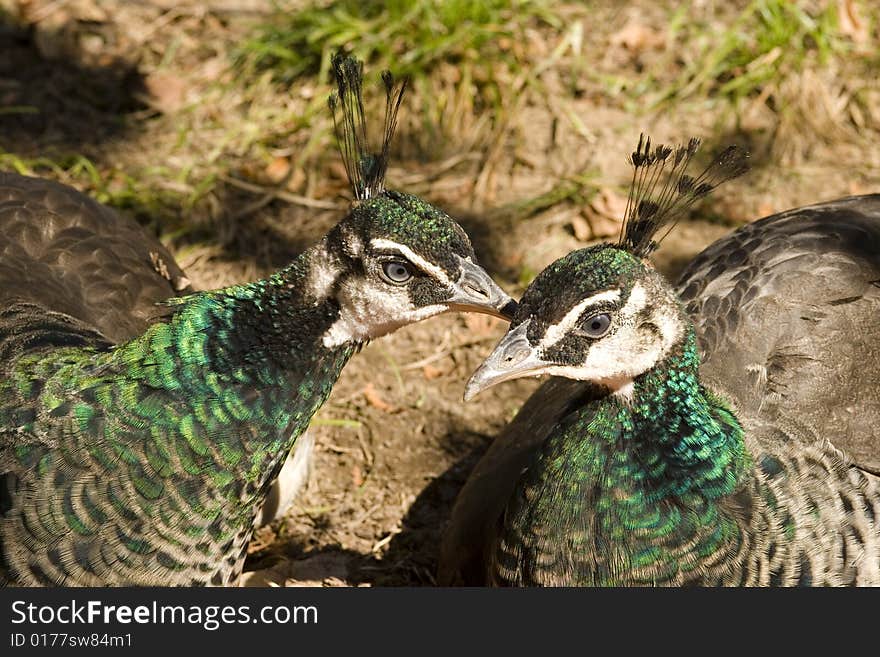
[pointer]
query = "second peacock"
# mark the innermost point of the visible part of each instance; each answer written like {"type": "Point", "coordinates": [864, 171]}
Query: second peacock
{"type": "Point", "coordinates": [648, 476]}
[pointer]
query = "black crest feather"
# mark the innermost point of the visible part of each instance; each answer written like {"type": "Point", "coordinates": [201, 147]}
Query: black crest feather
{"type": "Point", "coordinates": [662, 190]}
{"type": "Point", "coordinates": [364, 165]}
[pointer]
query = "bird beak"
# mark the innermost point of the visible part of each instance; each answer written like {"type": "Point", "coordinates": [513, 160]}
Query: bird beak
{"type": "Point", "coordinates": [475, 291]}
{"type": "Point", "coordinates": [512, 358]}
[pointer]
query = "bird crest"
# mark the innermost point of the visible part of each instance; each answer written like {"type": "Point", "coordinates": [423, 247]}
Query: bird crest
{"type": "Point", "coordinates": [365, 166]}
{"type": "Point", "coordinates": [662, 190]}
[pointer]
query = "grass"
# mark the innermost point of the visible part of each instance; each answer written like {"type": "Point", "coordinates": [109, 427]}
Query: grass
{"type": "Point", "coordinates": [768, 41]}
{"type": "Point", "coordinates": [785, 75]}
{"type": "Point", "coordinates": [461, 55]}
{"type": "Point", "coordinates": [133, 191]}
{"type": "Point", "coordinates": [238, 125]}
{"type": "Point", "coordinates": [410, 37]}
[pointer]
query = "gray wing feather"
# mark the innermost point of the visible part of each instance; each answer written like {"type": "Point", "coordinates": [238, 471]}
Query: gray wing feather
{"type": "Point", "coordinates": [787, 310]}
{"type": "Point", "coordinates": [61, 252]}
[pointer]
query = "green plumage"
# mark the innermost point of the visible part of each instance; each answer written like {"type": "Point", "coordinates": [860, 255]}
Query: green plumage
{"type": "Point", "coordinates": [145, 460]}
{"type": "Point", "coordinates": [163, 446]}
{"type": "Point", "coordinates": [646, 478]}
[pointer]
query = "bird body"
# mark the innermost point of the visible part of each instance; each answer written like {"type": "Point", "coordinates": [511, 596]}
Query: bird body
{"type": "Point", "coordinates": [162, 447]}
{"type": "Point", "coordinates": [140, 453]}
{"type": "Point", "coordinates": [671, 488]}
{"type": "Point", "coordinates": [641, 467]}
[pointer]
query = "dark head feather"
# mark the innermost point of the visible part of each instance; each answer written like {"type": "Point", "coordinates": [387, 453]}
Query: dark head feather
{"type": "Point", "coordinates": [365, 167]}
{"type": "Point", "coordinates": [661, 190]}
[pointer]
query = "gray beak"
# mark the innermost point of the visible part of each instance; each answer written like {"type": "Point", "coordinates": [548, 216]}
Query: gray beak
{"type": "Point", "coordinates": [512, 358]}
{"type": "Point", "coordinates": [475, 291]}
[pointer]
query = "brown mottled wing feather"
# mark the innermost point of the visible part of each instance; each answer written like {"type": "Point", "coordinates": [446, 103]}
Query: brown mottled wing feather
{"type": "Point", "coordinates": [72, 273]}
{"type": "Point", "coordinates": [787, 310]}
{"type": "Point", "coordinates": [795, 296]}
{"type": "Point", "coordinates": [66, 258]}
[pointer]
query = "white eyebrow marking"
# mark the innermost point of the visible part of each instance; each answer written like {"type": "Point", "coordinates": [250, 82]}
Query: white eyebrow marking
{"type": "Point", "coordinates": [417, 260]}
{"type": "Point", "coordinates": [555, 332]}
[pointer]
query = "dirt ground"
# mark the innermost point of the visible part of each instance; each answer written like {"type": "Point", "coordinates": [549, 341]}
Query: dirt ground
{"type": "Point", "coordinates": [135, 86]}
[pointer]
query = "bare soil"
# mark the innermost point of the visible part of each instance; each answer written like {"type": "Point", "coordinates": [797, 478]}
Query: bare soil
{"type": "Point", "coordinates": [115, 81]}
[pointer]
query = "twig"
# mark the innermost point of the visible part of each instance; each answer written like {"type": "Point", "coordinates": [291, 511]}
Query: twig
{"type": "Point", "coordinates": [386, 540]}
{"type": "Point", "coordinates": [274, 193]}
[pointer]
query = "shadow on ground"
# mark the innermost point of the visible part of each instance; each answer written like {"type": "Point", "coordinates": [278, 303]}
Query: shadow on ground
{"type": "Point", "coordinates": [60, 105]}
{"type": "Point", "coordinates": [411, 559]}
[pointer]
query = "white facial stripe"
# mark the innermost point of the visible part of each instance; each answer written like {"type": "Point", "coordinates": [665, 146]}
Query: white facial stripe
{"type": "Point", "coordinates": [417, 260]}
{"type": "Point", "coordinates": [557, 331]}
{"type": "Point", "coordinates": [354, 329]}
{"type": "Point", "coordinates": [637, 300]}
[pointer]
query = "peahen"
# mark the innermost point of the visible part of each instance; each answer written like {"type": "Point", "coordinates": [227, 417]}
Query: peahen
{"type": "Point", "coordinates": [639, 466]}
{"type": "Point", "coordinates": [136, 445]}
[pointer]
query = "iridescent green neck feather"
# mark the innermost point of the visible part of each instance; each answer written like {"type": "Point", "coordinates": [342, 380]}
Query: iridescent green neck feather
{"type": "Point", "coordinates": [628, 489]}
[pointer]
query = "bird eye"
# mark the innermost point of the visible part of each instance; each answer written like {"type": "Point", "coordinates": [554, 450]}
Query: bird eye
{"type": "Point", "coordinates": [596, 326]}
{"type": "Point", "coordinates": [396, 272]}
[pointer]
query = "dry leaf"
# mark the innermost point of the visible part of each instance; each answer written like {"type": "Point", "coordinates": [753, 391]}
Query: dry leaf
{"type": "Point", "coordinates": [167, 91]}
{"type": "Point", "coordinates": [856, 188]}
{"type": "Point", "coordinates": [601, 218]}
{"type": "Point", "coordinates": [581, 228]}
{"type": "Point", "coordinates": [277, 169]}
{"type": "Point", "coordinates": [765, 209]}
{"type": "Point", "coordinates": [375, 399]}
{"type": "Point", "coordinates": [609, 204]}
{"type": "Point", "coordinates": [357, 476]}
{"type": "Point", "coordinates": [262, 538]}
{"type": "Point", "coordinates": [850, 23]}
{"type": "Point", "coordinates": [636, 37]}
{"type": "Point", "coordinates": [430, 372]}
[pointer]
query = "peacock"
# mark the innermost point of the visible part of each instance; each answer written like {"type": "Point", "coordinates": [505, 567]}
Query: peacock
{"type": "Point", "coordinates": [637, 465]}
{"type": "Point", "coordinates": [138, 442]}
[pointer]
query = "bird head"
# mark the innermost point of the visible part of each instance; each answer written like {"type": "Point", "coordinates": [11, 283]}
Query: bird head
{"type": "Point", "coordinates": [604, 314]}
{"type": "Point", "coordinates": [598, 314]}
{"type": "Point", "coordinates": [398, 259]}
{"type": "Point", "coordinates": [394, 259]}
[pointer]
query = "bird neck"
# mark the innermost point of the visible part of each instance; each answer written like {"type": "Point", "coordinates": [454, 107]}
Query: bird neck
{"type": "Point", "coordinates": [671, 437]}
{"type": "Point", "coordinates": [632, 480]}
{"type": "Point", "coordinates": [278, 321]}
{"type": "Point", "coordinates": [682, 438]}
{"type": "Point", "coordinates": [245, 356]}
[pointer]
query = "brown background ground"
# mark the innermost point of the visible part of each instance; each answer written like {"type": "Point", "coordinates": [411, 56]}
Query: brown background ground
{"type": "Point", "coordinates": [137, 104]}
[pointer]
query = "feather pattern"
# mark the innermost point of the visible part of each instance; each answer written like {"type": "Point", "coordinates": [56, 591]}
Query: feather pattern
{"type": "Point", "coordinates": [364, 165]}
{"type": "Point", "coordinates": [661, 190]}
